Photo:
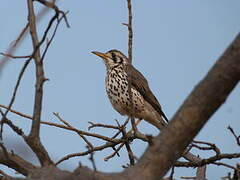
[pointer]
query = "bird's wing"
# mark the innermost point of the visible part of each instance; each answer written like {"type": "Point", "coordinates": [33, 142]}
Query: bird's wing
{"type": "Point", "coordinates": [140, 83]}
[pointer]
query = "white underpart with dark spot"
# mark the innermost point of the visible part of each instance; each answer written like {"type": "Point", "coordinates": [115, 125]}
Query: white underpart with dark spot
{"type": "Point", "coordinates": [117, 90]}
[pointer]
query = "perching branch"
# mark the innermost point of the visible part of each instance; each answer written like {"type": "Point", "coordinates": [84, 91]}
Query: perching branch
{"type": "Point", "coordinates": [203, 101]}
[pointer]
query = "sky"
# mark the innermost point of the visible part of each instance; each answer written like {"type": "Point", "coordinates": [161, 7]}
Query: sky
{"type": "Point", "coordinates": [175, 44]}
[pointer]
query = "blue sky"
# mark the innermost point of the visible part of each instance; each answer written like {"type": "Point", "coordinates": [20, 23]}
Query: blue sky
{"type": "Point", "coordinates": [175, 44]}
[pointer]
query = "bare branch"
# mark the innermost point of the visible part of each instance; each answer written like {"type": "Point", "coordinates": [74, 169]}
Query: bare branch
{"type": "Point", "coordinates": [91, 158]}
{"type": "Point", "coordinates": [39, 73]}
{"type": "Point", "coordinates": [201, 173]}
{"type": "Point", "coordinates": [70, 128]}
{"type": "Point", "coordinates": [234, 134]}
{"type": "Point", "coordinates": [16, 112]}
{"type": "Point", "coordinates": [211, 146]}
{"type": "Point", "coordinates": [33, 139]}
{"type": "Point", "coordinates": [114, 153]}
{"type": "Point", "coordinates": [14, 94]}
{"type": "Point", "coordinates": [89, 145]}
{"type": "Point", "coordinates": [15, 57]}
{"type": "Point", "coordinates": [15, 162]}
{"type": "Point", "coordinates": [129, 79]}
{"type": "Point", "coordinates": [130, 31]}
{"type": "Point", "coordinates": [54, 32]}
{"type": "Point", "coordinates": [93, 125]}
{"type": "Point", "coordinates": [21, 36]}
{"type": "Point", "coordinates": [128, 147]}
{"type": "Point", "coordinates": [52, 5]}
{"type": "Point", "coordinates": [205, 99]}
{"type": "Point", "coordinates": [210, 160]}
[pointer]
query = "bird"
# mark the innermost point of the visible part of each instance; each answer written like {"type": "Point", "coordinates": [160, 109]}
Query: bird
{"type": "Point", "coordinates": [140, 102]}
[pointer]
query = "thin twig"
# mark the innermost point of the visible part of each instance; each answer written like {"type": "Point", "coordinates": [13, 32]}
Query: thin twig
{"type": "Point", "coordinates": [16, 112]}
{"type": "Point", "coordinates": [209, 160]}
{"type": "Point", "coordinates": [20, 37]}
{"type": "Point", "coordinates": [14, 94]}
{"type": "Point", "coordinates": [69, 127]}
{"type": "Point", "coordinates": [109, 144]}
{"type": "Point", "coordinates": [53, 35]}
{"type": "Point", "coordinates": [129, 78]}
{"type": "Point", "coordinates": [15, 57]}
{"type": "Point", "coordinates": [66, 127]}
{"type": "Point", "coordinates": [53, 6]}
{"type": "Point", "coordinates": [15, 128]}
{"type": "Point", "coordinates": [211, 146]}
{"type": "Point", "coordinates": [89, 145]}
{"type": "Point", "coordinates": [130, 31]}
{"type": "Point", "coordinates": [234, 134]}
{"type": "Point", "coordinates": [93, 125]}
{"type": "Point", "coordinates": [98, 148]}
{"type": "Point", "coordinates": [129, 150]}
{"type": "Point", "coordinates": [172, 173]}
{"type": "Point", "coordinates": [91, 158]}
{"type": "Point", "coordinates": [116, 151]}
{"type": "Point", "coordinates": [124, 125]}
{"type": "Point", "coordinates": [185, 177]}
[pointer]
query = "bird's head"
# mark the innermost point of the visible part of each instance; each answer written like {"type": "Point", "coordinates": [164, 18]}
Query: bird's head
{"type": "Point", "coordinates": [112, 58]}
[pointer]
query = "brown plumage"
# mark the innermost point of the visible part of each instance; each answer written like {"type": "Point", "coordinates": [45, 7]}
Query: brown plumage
{"type": "Point", "coordinates": [139, 82]}
{"type": "Point", "coordinates": [119, 73]}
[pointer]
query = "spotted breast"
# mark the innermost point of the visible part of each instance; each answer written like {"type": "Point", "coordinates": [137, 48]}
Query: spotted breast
{"type": "Point", "coordinates": [117, 90]}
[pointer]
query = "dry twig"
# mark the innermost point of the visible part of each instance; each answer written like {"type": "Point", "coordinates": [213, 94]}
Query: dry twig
{"type": "Point", "coordinates": [234, 134]}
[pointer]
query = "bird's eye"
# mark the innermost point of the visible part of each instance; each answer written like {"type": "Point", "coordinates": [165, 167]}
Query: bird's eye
{"type": "Point", "coordinates": [114, 58]}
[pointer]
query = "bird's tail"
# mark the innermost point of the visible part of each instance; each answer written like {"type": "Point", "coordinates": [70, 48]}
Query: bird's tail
{"type": "Point", "coordinates": [153, 117]}
{"type": "Point", "coordinates": [157, 121]}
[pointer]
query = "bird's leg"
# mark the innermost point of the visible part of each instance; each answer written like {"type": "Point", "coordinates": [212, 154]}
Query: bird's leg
{"type": "Point", "coordinates": [136, 124]}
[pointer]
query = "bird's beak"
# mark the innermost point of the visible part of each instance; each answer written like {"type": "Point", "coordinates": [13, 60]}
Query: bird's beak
{"type": "Point", "coordinates": [102, 55]}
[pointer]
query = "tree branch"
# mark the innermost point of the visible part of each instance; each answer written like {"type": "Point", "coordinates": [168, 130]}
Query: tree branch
{"type": "Point", "coordinates": [130, 31]}
{"type": "Point", "coordinates": [21, 36]}
{"type": "Point", "coordinates": [33, 139]}
{"type": "Point", "coordinates": [204, 100]}
{"type": "Point", "coordinates": [17, 163]}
